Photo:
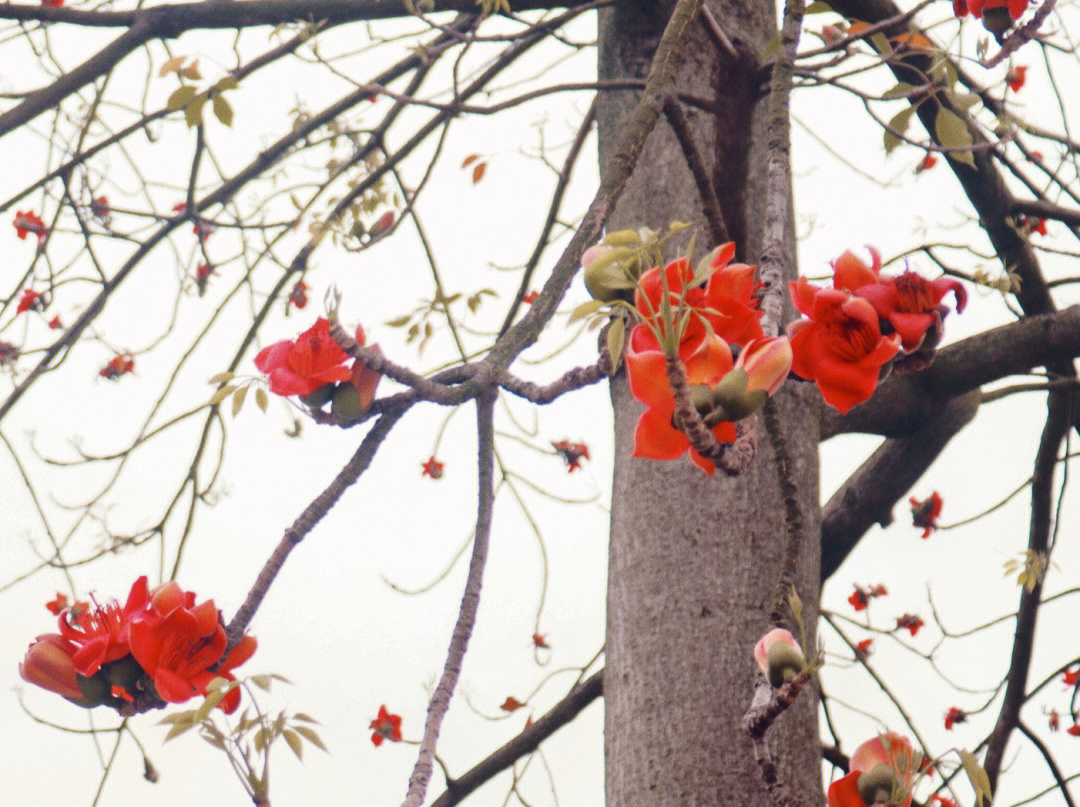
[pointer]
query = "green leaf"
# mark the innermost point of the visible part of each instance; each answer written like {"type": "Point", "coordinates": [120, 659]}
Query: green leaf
{"type": "Point", "coordinates": [616, 340]}
{"type": "Point", "coordinates": [222, 394]}
{"type": "Point", "coordinates": [222, 110]}
{"type": "Point", "coordinates": [311, 736]}
{"type": "Point", "coordinates": [185, 716]}
{"type": "Point", "coordinates": [221, 378]}
{"type": "Point", "coordinates": [881, 44]}
{"type": "Point", "coordinates": [262, 681]}
{"type": "Point", "coordinates": [180, 98]}
{"type": "Point", "coordinates": [964, 100]}
{"type": "Point", "coordinates": [305, 717]}
{"type": "Point", "coordinates": [216, 684]}
{"type": "Point", "coordinates": [226, 83]}
{"type": "Point", "coordinates": [585, 309]}
{"type": "Point", "coordinates": [193, 111]}
{"type": "Point", "coordinates": [261, 400]}
{"type": "Point", "coordinates": [177, 730]}
{"type": "Point", "coordinates": [399, 322]}
{"type": "Point", "coordinates": [293, 739]}
{"type": "Point", "coordinates": [212, 700]}
{"type": "Point", "coordinates": [818, 7]}
{"type": "Point", "coordinates": [977, 776]}
{"type": "Point", "coordinates": [900, 90]}
{"type": "Point", "coordinates": [238, 400]}
{"type": "Point", "coordinates": [899, 122]}
{"type": "Point", "coordinates": [952, 132]}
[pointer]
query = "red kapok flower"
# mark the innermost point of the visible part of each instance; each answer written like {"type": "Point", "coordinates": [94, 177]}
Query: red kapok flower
{"type": "Point", "coordinates": [48, 664]}
{"type": "Point", "coordinates": [1015, 78]}
{"type": "Point", "coordinates": [300, 367]}
{"type": "Point", "coordinates": [953, 717]}
{"type": "Point", "coordinates": [202, 277]}
{"type": "Point", "coordinates": [511, 704]}
{"type": "Point", "coordinates": [926, 163]}
{"type": "Point", "coordinates": [1054, 720]}
{"type": "Point", "coordinates": [1015, 8]}
{"type": "Point", "coordinates": [54, 323]}
{"type": "Point", "coordinates": [707, 359]}
{"type": "Point", "coordinates": [1070, 678]}
{"type": "Point", "coordinates": [102, 633]}
{"type": "Point", "coordinates": [530, 298]}
{"type": "Point", "coordinates": [385, 726]}
{"type": "Point", "coordinates": [890, 750]}
{"type": "Point", "coordinates": [840, 345]}
{"type": "Point", "coordinates": [767, 363]}
{"type": "Point", "coordinates": [99, 207]}
{"type": "Point", "coordinates": [30, 300]}
{"type": "Point", "coordinates": [52, 3]}
{"type": "Point", "coordinates": [863, 649]}
{"type": "Point", "coordinates": [117, 366]}
{"type": "Point", "coordinates": [57, 606]}
{"type": "Point", "coordinates": [27, 221]}
{"type": "Point", "coordinates": [944, 801]}
{"type": "Point", "coordinates": [925, 513]}
{"type": "Point", "coordinates": [851, 272]}
{"type": "Point", "coordinates": [540, 640]}
{"type": "Point", "coordinates": [1030, 224]}
{"type": "Point", "coordinates": [572, 453]}
{"type": "Point", "coordinates": [861, 597]}
{"type": "Point", "coordinates": [911, 622]}
{"type": "Point", "coordinates": [363, 377]}
{"type": "Point", "coordinates": [432, 468]}
{"type": "Point", "coordinates": [912, 304]}
{"type": "Point", "coordinates": [1073, 730]}
{"type": "Point", "coordinates": [178, 642]}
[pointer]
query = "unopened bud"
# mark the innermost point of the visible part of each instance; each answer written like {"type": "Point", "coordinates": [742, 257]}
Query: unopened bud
{"type": "Point", "coordinates": [767, 363]}
{"type": "Point", "coordinates": [736, 400]}
{"type": "Point", "coordinates": [876, 785]}
{"type": "Point", "coordinates": [48, 664]}
{"type": "Point", "coordinates": [605, 277]}
{"type": "Point", "coordinates": [619, 238]}
{"type": "Point", "coordinates": [997, 21]}
{"type": "Point", "coordinates": [347, 406]}
{"type": "Point", "coordinates": [318, 398]}
{"type": "Point", "coordinates": [779, 656]}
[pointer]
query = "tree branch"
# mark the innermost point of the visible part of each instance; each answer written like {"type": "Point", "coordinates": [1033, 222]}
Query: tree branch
{"type": "Point", "coordinates": [710, 205]}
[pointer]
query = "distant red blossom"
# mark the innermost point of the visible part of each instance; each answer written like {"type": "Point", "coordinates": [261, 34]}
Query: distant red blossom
{"type": "Point", "coordinates": [432, 468]}
{"type": "Point", "coordinates": [31, 301]}
{"type": "Point", "coordinates": [861, 597]}
{"type": "Point", "coordinates": [540, 640]}
{"type": "Point", "coordinates": [385, 726]}
{"type": "Point", "coordinates": [925, 513]}
{"type": "Point", "coordinates": [1073, 730]}
{"type": "Point", "coordinates": [911, 622]}
{"type": "Point", "coordinates": [530, 298]}
{"type": "Point", "coordinates": [202, 277]}
{"type": "Point", "coordinates": [978, 8]}
{"type": "Point", "coordinates": [1016, 77]}
{"type": "Point", "coordinates": [944, 801]}
{"type": "Point", "coordinates": [863, 649]}
{"type": "Point", "coordinates": [926, 163]}
{"type": "Point", "coordinates": [511, 704]}
{"type": "Point", "coordinates": [953, 717]}
{"type": "Point", "coordinates": [117, 366]}
{"type": "Point", "coordinates": [26, 222]}
{"type": "Point", "coordinates": [572, 453]}
{"type": "Point", "coordinates": [99, 207]}
{"type": "Point", "coordinates": [55, 324]}
{"type": "Point", "coordinates": [58, 605]}
{"type": "Point", "coordinates": [1071, 678]}
{"type": "Point", "coordinates": [298, 295]}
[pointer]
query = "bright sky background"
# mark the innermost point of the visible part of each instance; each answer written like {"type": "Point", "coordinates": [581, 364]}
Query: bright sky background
{"type": "Point", "coordinates": [332, 624]}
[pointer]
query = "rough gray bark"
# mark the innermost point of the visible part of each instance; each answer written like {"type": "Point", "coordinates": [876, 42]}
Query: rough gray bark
{"type": "Point", "coordinates": [694, 560]}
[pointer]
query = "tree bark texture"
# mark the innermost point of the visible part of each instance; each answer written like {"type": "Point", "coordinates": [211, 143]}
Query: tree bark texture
{"type": "Point", "coordinates": [694, 560]}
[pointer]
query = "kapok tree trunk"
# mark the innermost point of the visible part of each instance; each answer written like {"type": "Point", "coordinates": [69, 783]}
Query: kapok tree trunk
{"type": "Point", "coordinates": [694, 560]}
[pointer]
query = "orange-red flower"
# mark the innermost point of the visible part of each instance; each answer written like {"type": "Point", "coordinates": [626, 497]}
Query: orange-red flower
{"type": "Point", "coordinates": [178, 643]}
{"type": "Point", "coordinates": [511, 704]}
{"type": "Point", "coordinates": [530, 298]}
{"type": "Point", "coordinates": [298, 295]}
{"type": "Point", "coordinates": [26, 222]}
{"type": "Point", "coordinates": [928, 161]}
{"type": "Point", "coordinates": [572, 453]}
{"type": "Point", "coordinates": [300, 367]}
{"type": "Point", "coordinates": [1016, 8]}
{"type": "Point", "coordinates": [54, 323]}
{"type": "Point", "coordinates": [102, 633]}
{"type": "Point", "coordinates": [432, 468]}
{"type": "Point", "coordinates": [48, 664]}
{"type": "Point", "coordinates": [840, 345]}
{"type": "Point", "coordinates": [954, 716]}
{"type": "Point", "coordinates": [117, 366]}
{"type": "Point", "coordinates": [707, 359]}
{"type": "Point", "coordinates": [30, 300]}
{"type": "Point", "coordinates": [889, 749]}
{"type": "Point", "coordinates": [385, 726]}
{"type": "Point", "coordinates": [863, 649]}
{"type": "Point", "coordinates": [1070, 678]}
{"type": "Point", "coordinates": [363, 377]}
{"type": "Point", "coordinates": [861, 597]}
{"type": "Point", "coordinates": [1016, 77]}
{"type": "Point", "coordinates": [99, 207]}
{"type": "Point", "coordinates": [1073, 730]}
{"type": "Point", "coordinates": [202, 277]}
{"type": "Point", "coordinates": [944, 801]}
{"type": "Point", "coordinates": [911, 304]}
{"type": "Point", "coordinates": [58, 605]}
{"type": "Point", "coordinates": [925, 513]}
{"type": "Point", "coordinates": [911, 622]}
{"type": "Point", "coordinates": [540, 640]}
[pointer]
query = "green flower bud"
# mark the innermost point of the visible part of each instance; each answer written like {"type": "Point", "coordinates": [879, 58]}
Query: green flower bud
{"type": "Point", "coordinates": [784, 662]}
{"type": "Point", "coordinates": [877, 784]}
{"type": "Point", "coordinates": [318, 398]}
{"type": "Point", "coordinates": [733, 397]}
{"type": "Point", "coordinates": [96, 690]}
{"type": "Point", "coordinates": [997, 21]}
{"type": "Point", "coordinates": [347, 406]}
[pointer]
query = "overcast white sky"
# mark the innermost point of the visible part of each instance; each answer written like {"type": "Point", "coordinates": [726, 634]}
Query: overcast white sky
{"type": "Point", "coordinates": [331, 623]}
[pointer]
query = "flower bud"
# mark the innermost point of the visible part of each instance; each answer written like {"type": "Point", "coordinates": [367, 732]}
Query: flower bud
{"type": "Point", "coordinates": [48, 664]}
{"type": "Point", "coordinates": [997, 21]}
{"type": "Point", "coordinates": [365, 380]}
{"type": "Point", "coordinates": [619, 238]}
{"type": "Point", "coordinates": [736, 401]}
{"type": "Point", "coordinates": [347, 406]}
{"type": "Point", "coordinates": [877, 784]}
{"type": "Point", "coordinates": [767, 363]}
{"type": "Point", "coordinates": [318, 398]}
{"type": "Point", "coordinates": [605, 277]}
{"type": "Point", "coordinates": [779, 657]}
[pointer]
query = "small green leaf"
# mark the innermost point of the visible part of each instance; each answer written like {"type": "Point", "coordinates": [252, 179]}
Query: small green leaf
{"type": "Point", "coordinates": [222, 394]}
{"type": "Point", "coordinates": [226, 83]}
{"type": "Point", "coordinates": [177, 730]}
{"type": "Point", "coordinates": [216, 684]}
{"type": "Point", "coordinates": [399, 322]}
{"type": "Point", "coordinates": [310, 735]}
{"type": "Point", "coordinates": [616, 340]}
{"type": "Point", "coordinates": [305, 717]}
{"type": "Point", "coordinates": [261, 400]}
{"type": "Point", "coordinates": [212, 700]}
{"type": "Point", "coordinates": [193, 111]}
{"type": "Point", "coordinates": [818, 7]}
{"type": "Point", "coordinates": [952, 132]}
{"type": "Point", "coordinates": [222, 110]}
{"type": "Point", "coordinates": [964, 100]}
{"type": "Point", "coordinates": [899, 123]}
{"type": "Point", "coordinates": [185, 716]}
{"type": "Point", "coordinates": [262, 681]}
{"type": "Point", "coordinates": [180, 98]}
{"type": "Point", "coordinates": [221, 378]}
{"type": "Point", "coordinates": [238, 400]}
{"type": "Point", "coordinates": [881, 43]}
{"type": "Point", "coordinates": [900, 90]}
{"type": "Point", "coordinates": [293, 739]}
{"type": "Point", "coordinates": [977, 776]}
{"type": "Point", "coordinates": [586, 308]}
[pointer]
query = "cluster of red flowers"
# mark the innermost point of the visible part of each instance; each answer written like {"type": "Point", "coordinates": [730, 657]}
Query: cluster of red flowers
{"type": "Point", "coordinates": [572, 453]}
{"type": "Point", "coordinates": [432, 468]}
{"type": "Point", "coordinates": [954, 717]}
{"type": "Point", "coordinates": [298, 295]}
{"type": "Point", "coordinates": [117, 366]}
{"type": "Point", "coordinates": [978, 8]}
{"type": "Point", "coordinates": [925, 513]}
{"type": "Point", "coordinates": [313, 366]}
{"type": "Point", "coordinates": [31, 301]}
{"type": "Point", "coordinates": [911, 622]}
{"type": "Point", "coordinates": [26, 222]}
{"type": "Point", "coordinates": [109, 655]}
{"type": "Point", "coordinates": [706, 320]}
{"type": "Point", "coordinates": [861, 597]}
{"type": "Point", "coordinates": [385, 726]}
{"type": "Point", "coordinates": [1016, 77]}
{"type": "Point", "coordinates": [853, 330]}
{"type": "Point", "coordinates": [201, 228]}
